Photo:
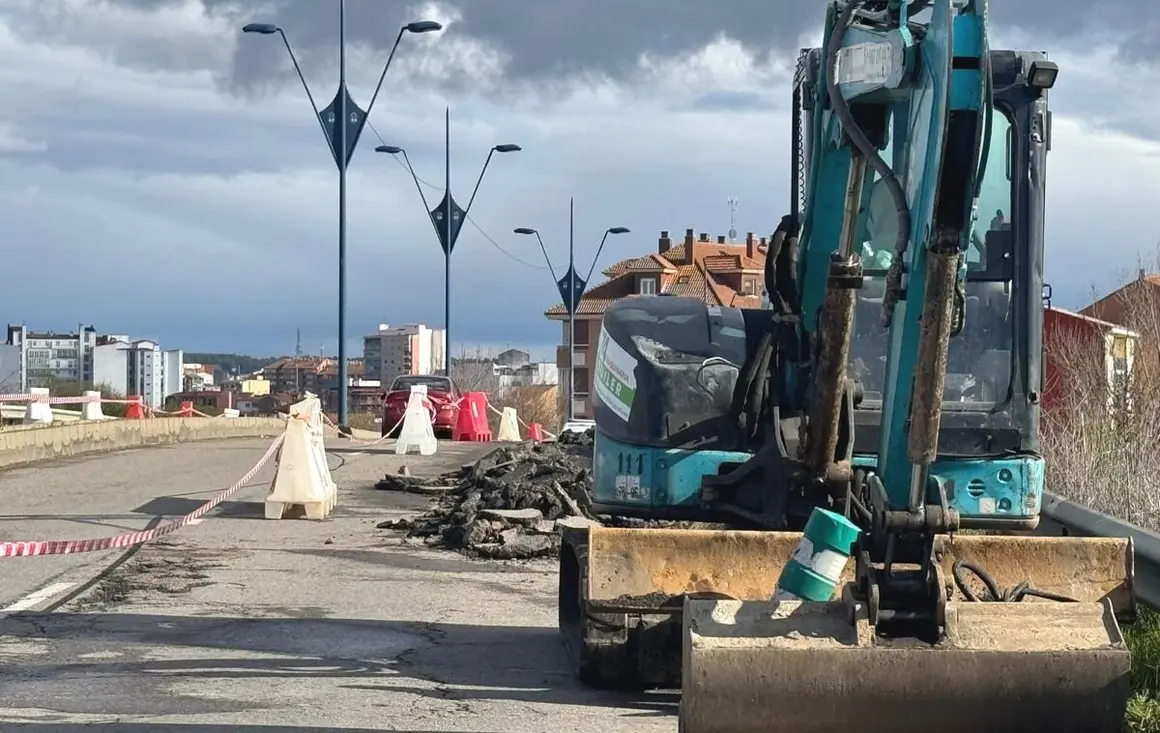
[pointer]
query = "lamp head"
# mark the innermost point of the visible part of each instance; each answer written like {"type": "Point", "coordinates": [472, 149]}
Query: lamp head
{"type": "Point", "coordinates": [423, 26]}
{"type": "Point", "coordinates": [264, 29]}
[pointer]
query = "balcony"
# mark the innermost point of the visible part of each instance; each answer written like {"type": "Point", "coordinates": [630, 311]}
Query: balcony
{"type": "Point", "coordinates": [581, 356]}
{"type": "Point", "coordinates": [581, 405]}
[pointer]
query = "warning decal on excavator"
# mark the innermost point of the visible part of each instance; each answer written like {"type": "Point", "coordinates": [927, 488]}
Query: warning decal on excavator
{"type": "Point", "coordinates": [869, 63]}
{"type": "Point", "coordinates": [615, 381]}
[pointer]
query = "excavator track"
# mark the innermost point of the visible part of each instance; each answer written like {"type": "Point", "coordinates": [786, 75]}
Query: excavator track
{"type": "Point", "coordinates": [611, 647]}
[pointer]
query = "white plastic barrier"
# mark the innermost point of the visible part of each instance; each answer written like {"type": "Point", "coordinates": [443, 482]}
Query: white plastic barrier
{"type": "Point", "coordinates": [91, 410]}
{"type": "Point", "coordinates": [509, 426]}
{"type": "Point", "coordinates": [39, 410]}
{"type": "Point", "coordinates": [303, 475]}
{"type": "Point", "coordinates": [417, 431]}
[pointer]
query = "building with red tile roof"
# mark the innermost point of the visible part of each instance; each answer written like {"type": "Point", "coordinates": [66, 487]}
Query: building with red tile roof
{"type": "Point", "coordinates": [718, 272]}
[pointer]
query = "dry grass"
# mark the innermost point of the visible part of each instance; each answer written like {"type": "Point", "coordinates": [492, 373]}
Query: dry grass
{"type": "Point", "coordinates": [64, 388]}
{"type": "Point", "coordinates": [473, 372]}
{"type": "Point", "coordinates": [1102, 447]}
{"type": "Point", "coordinates": [1101, 442]}
{"type": "Point", "coordinates": [364, 421]}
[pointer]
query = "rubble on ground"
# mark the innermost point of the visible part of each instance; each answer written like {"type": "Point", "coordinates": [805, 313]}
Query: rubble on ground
{"type": "Point", "coordinates": [508, 505]}
{"type": "Point", "coordinates": [511, 504]}
{"type": "Point", "coordinates": [574, 438]}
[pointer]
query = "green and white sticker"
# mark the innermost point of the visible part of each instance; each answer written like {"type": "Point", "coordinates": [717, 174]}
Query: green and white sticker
{"type": "Point", "coordinates": [615, 381]}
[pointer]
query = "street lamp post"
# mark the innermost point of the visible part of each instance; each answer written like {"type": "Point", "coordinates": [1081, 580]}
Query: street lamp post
{"type": "Point", "coordinates": [447, 217]}
{"type": "Point", "coordinates": [572, 288]}
{"type": "Point", "coordinates": [342, 122]}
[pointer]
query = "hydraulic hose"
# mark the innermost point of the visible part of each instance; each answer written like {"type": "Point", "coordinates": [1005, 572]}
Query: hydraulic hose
{"type": "Point", "coordinates": [868, 150]}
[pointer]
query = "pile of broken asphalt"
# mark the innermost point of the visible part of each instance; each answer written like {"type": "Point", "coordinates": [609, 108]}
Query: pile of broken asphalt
{"type": "Point", "coordinates": [511, 504]}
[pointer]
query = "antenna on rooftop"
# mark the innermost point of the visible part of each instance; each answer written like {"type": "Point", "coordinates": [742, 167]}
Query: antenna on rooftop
{"type": "Point", "coordinates": [732, 201]}
{"type": "Point", "coordinates": [298, 344]}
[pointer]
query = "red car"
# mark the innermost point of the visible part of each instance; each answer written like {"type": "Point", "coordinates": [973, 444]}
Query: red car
{"type": "Point", "coordinates": [442, 393]}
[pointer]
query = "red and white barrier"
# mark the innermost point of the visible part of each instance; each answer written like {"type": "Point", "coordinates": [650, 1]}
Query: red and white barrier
{"type": "Point", "coordinates": [40, 407]}
{"type": "Point", "coordinates": [509, 429]}
{"type": "Point", "coordinates": [303, 476]}
{"type": "Point", "coordinates": [418, 430]}
{"type": "Point", "coordinates": [91, 409]}
{"type": "Point", "coordinates": [39, 411]}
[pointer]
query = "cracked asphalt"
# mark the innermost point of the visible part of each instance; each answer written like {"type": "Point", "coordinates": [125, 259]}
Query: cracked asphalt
{"type": "Point", "coordinates": [246, 625]}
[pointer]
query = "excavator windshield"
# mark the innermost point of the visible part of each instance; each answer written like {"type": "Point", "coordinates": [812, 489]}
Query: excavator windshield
{"type": "Point", "coordinates": [979, 367]}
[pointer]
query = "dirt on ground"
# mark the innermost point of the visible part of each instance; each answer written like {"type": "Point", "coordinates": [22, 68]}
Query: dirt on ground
{"type": "Point", "coordinates": [511, 504]}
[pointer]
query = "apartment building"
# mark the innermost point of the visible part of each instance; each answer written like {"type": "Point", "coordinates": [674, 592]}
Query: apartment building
{"type": "Point", "coordinates": [719, 273]}
{"type": "Point", "coordinates": [10, 370]}
{"type": "Point", "coordinates": [131, 367]}
{"type": "Point", "coordinates": [139, 368]}
{"type": "Point", "coordinates": [410, 349]}
{"type": "Point", "coordinates": [45, 357]}
{"type": "Point", "coordinates": [297, 374]}
{"type": "Point", "coordinates": [197, 377]}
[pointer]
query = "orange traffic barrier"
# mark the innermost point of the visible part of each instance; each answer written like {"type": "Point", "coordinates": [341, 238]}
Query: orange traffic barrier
{"type": "Point", "coordinates": [536, 432]}
{"type": "Point", "coordinates": [186, 410]}
{"type": "Point", "coordinates": [472, 423]}
{"type": "Point", "coordinates": [136, 409]}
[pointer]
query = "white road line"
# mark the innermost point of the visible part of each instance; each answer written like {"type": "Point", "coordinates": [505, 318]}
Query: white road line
{"type": "Point", "coordinates": [195, 522]}
{"type": "Point", "coordinates": [36, 598]}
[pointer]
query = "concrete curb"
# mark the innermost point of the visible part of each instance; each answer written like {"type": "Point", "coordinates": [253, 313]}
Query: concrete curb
{"type": "Point", "coordinates": [22, 447]}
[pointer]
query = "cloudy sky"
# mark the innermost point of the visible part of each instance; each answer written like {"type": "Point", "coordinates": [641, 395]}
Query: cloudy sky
{"type": "Point", "coordinates": [161, 174]}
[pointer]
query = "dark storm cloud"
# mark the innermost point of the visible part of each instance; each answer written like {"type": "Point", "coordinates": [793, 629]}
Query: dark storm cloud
{"type": "Point", "coordinates": [550, 39]}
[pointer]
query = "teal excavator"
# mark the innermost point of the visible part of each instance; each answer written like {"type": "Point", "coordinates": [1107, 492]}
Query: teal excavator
{"type": "Point", "coordinates": [892, 380]}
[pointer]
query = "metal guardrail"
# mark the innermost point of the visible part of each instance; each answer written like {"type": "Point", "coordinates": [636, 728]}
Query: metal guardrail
{"type": "Point", "coordinates": [1064, 517]}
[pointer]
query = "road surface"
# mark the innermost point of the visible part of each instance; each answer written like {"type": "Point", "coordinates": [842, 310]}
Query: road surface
{"type": "Point", "coordinates": [241, 624]}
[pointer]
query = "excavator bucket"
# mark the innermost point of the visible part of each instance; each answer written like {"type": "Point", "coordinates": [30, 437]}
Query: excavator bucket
{"type": "Point", "coordinates": [747, 664]}
{"type": "Point", "coordinates": [1039, 664]}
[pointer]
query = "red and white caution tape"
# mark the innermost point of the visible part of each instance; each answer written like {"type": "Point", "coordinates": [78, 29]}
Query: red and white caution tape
{"type": "Point", "coordinates": [66, 547]}
{"type": "Point", "coordinates": [359, 441]}
{"type": "Point", "coordinates": [80, 400]}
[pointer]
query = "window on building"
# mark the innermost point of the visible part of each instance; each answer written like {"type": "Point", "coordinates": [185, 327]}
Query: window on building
{"type": "Point", "coordinates": [648, 286]}
{"type": "Point", "coordinates": [581, 333]}
{"type": "Point", "coordinates": [580, 383]}
{"type": "Point", "coordinates": [1120, 354]}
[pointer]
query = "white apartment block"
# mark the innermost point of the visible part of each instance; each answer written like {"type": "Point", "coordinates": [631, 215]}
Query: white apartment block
{"type": "Point", "coordinates": [130, 367]}
{"type": "Point", "coordinates": [139, 368]}
{"type": "Point", "coordinates": [530, 374]}
{"type": "Point", "coordinates": [410, 349]}
{"type": "Point", "coordinates": [47, 357]}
